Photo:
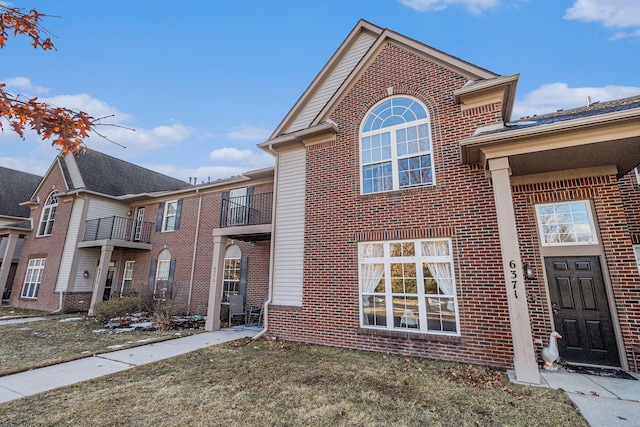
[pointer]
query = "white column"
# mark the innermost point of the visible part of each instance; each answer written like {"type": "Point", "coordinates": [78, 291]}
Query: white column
{"type": "Point", "coordinates": [101, 277]}
{"type": "Point", "coordinates": [525, 365]}
{"type": "Point", "coordinates": [12, 240]}
{"type": "Point", "coordinates": [215, 288]}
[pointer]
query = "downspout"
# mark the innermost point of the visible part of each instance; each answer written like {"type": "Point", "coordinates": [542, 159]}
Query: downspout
{"type": "Point", "coordinates": [195, 246]}
{"type": "Point", "coordinates": [265, 314]}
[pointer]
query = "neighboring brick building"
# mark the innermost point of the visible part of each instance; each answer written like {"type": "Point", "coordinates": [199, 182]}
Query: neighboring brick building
{"type": "Point", "coordinates": [104, 227]}
{"type": "Point", "coordinates": [414, 217]}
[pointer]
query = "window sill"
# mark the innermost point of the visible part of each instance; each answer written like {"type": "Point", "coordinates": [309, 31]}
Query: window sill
{"type": "Point", "coordinates": [417, 336]}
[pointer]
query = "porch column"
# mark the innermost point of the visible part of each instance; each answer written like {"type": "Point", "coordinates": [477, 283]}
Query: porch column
{"type": "Point", "coordinates": [525, 365]}
{"type": "Point", "coordinates": [215, 288]}
{"type": "Point", "coordinates": [12, 240]}
{"type": "Point", "coordinates": [101, 277]}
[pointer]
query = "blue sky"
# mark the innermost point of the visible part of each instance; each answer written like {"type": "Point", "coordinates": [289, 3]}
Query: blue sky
{"type": "Point", "coordinates": [202, 82]}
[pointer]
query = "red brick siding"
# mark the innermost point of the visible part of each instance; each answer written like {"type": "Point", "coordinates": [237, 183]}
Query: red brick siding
{"type": "Point", "coordinates": [49, 247]}
{"type": "Point", "coordinates": [459, 206]}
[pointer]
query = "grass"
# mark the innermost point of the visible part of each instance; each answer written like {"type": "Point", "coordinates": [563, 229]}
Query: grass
{"type": "Point", "coordinates": [25, 346]}
{"type": "Point", "coordinates": [7, 312]}
{"type": "Point", "coordinates": [272, 383]}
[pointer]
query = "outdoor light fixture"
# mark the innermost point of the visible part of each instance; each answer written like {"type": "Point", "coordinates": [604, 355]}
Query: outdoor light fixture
{"type": "Point", "coordinates": [86, 274]}
{"type": "Point", "coordinates": [528, 271]}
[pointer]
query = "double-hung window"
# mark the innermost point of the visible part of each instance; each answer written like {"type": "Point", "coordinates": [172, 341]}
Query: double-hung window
{"type": "Point", "coordinates": [170, 215]}
{"type": "Point", "coordinates": [48, 215]}
{"type": "Point", "coordinates": [231, 280]}
{"type": "Point", "coordinates": [33, 278]}
{"type": "Point", "coordinates": [408, 285]}
{"type": "Point", "coordinates": [395, 146]}
{"type": "Point", "coordinates": [127, 277]}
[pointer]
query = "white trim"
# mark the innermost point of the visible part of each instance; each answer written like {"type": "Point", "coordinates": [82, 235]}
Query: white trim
{"type": "Point", "coordinates": [33, 278]}
{"type": "Point", "coordinates": [127, 274]}
{"type": "Point", "coordinates": [165, 215]}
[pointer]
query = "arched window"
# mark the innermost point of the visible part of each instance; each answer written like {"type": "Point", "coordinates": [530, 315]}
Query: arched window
{"type": "Point", "coordinates": [164, 269]}
{"type": "Point", "coordinates": [395, 146]}
{"type": "Point", "coordinates": [48, 214]}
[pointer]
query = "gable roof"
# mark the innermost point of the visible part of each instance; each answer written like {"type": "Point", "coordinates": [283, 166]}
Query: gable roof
{"type": "Point", "coordinates": [348, 62]}
{"type": "Point", "coordinates": [16, 187]}
{"type": "Point", "coordinates": [101, 173]}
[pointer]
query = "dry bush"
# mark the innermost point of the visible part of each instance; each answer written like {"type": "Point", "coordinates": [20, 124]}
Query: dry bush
{"type": "Point", "coordinates": [164, 310]}
{"type": "Point", "coordinates": [118, 307]}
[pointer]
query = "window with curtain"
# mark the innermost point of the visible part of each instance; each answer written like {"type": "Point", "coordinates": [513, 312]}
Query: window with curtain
{"type": "Point", "coordinates": [395, 146]}
{"type": "Point", "coordinates": [48, 215]}
{"type": "Point", "coordinates": [408, 285]}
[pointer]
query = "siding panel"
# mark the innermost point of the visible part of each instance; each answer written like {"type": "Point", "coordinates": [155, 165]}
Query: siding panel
{"type": "Point", "coordinates": [289, 229]}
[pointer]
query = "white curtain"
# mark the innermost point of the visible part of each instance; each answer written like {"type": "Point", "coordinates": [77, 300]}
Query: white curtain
{"type": "Point", "coordinates": [440, 271]}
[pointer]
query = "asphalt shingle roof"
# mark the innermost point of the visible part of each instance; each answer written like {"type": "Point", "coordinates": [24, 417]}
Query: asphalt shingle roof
{"type": "Point", "coordinates": [16, 187]}
{"type": "Point", "coordinates": [108, 175]}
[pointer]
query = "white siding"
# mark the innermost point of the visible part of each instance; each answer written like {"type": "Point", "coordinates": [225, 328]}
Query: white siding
{"type": "Point", "coordinates": [74, 172]}
{"type": "Point", "coordinates": [333, 82]}
{"type": "Point", "coordinates": [103, 208]}
{"type": "Point", "coordinates": [87, 260]}
{"type": "Point", "coordinates": [289, 229]}
{"type": "Point", "coordinates": [71, 241]}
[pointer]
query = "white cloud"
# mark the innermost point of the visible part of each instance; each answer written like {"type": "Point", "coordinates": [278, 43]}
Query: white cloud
{"type": "Point", "coordinates": [36, 166]}
{"type": "Point", "coordinates": [249, 133]}
{"type": "Point", "coordinates": [230, 154]}
{"type": "Point", "coordinates": [90, 105]}
{"type": "Point", "coordinates": [612, 13]}
{"type": "Point", "coordinates": [22, 85]}
{"type": "Point", "coordinates": [551, 97]}
{"type": "Point", "coordinates": [473, 6]}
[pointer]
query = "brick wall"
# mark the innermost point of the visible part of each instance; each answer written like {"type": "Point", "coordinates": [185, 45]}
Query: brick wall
{"type": "Point", "coordinates": [459, 206]}
{"type": "Point", "coordinates": [49, 247]}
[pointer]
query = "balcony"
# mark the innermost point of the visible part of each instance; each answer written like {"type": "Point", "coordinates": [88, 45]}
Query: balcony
{"type": "Point", "coordinates": [118, 229]}
{"type": "Point", "coordinates": [246, 217]}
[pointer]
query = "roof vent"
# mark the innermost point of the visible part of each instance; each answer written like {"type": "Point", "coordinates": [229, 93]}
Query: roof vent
{"type": "Point", "coordinates": [588, 101]}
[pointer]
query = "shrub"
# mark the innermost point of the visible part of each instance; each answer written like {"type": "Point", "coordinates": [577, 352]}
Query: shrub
{"type": "Point", "coordinates": [163, 311]}
{"type": "Point", "coordinates": [117, 307]}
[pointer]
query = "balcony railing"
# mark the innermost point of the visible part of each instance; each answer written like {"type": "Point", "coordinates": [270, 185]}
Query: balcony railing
{"type": "Point", "coordinates": [253, 209]}
{"type": "Point", "coordinates": [118, 228]}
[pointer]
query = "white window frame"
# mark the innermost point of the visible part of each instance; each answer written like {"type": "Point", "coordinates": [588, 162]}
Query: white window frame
{"type": "Point", "coordinates": [636, 252]}
{"type": "Point", "coordinates": [169, 213]}
{"type": "Point", "coordinates": [33, 278]}
{"type": "Point", "coordinates": [418, 323]}
{"type": "Point", "coordinates": [127, 276]}
{"type": "Point", "coordinates": [45, 226]}
{"type": "Point", "coordinates": [231, 277]}
{"type": "Point", "coordinates": [137, 231]}
{"type": "Point", "coordinates": [575, 211]}
{"type": "Point", "coordinates": [390, 153]}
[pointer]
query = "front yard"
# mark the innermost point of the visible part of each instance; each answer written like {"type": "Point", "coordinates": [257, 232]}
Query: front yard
{"type": "Point", "coordinates": [269, 382]}
{"type": "Point", "coordinates": [25, 346]}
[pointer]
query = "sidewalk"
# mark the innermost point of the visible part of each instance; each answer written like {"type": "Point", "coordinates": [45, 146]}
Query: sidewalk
{"type": "Point", "coordinates": [38, 380]}
{"type": "Point", "coordinates": [602, 401]}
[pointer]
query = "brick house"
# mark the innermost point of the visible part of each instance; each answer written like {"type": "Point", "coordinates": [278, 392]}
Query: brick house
{"type": "Point", "coordinates": [104, 227]}
{"type": "Point", "coordinates": [15, 188]}
{"type": "Point", "coordinates": [413, 216]}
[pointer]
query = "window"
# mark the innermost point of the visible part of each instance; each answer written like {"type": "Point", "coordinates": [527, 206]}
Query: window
{"type": "Point", "coordinates": [395, 146]}
{"type": "Point", "coordinates": [33, 278]}
{"type": "Point", "coordinates": [636, 252]}
{"type": "Point", "coordinates": [231, 278]}
{"type": "Point", "coordinates": [408, 285]}
{"type": "Point", "coordinates": [161, 275]}
{"type": "Point", "coordinates": [127, 277]}
{"type": "Point", "coordinates": [170, 215]}
{"type": "Point", "coordinates": [137, 232]}
{"type": "Point", "coordinates": [568, 223]}
{"type": "Point", "coordinates": [48, 215]}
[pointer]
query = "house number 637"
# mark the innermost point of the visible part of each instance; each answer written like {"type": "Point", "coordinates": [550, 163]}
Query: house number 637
{"type": "Point", "coordinates": [513, 276]}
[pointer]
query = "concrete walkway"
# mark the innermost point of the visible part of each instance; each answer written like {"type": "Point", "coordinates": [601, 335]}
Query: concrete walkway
{"type": "Point", "coordinates": [602, 401]}
{"type": "Point", "coordinates": [38, 380]}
